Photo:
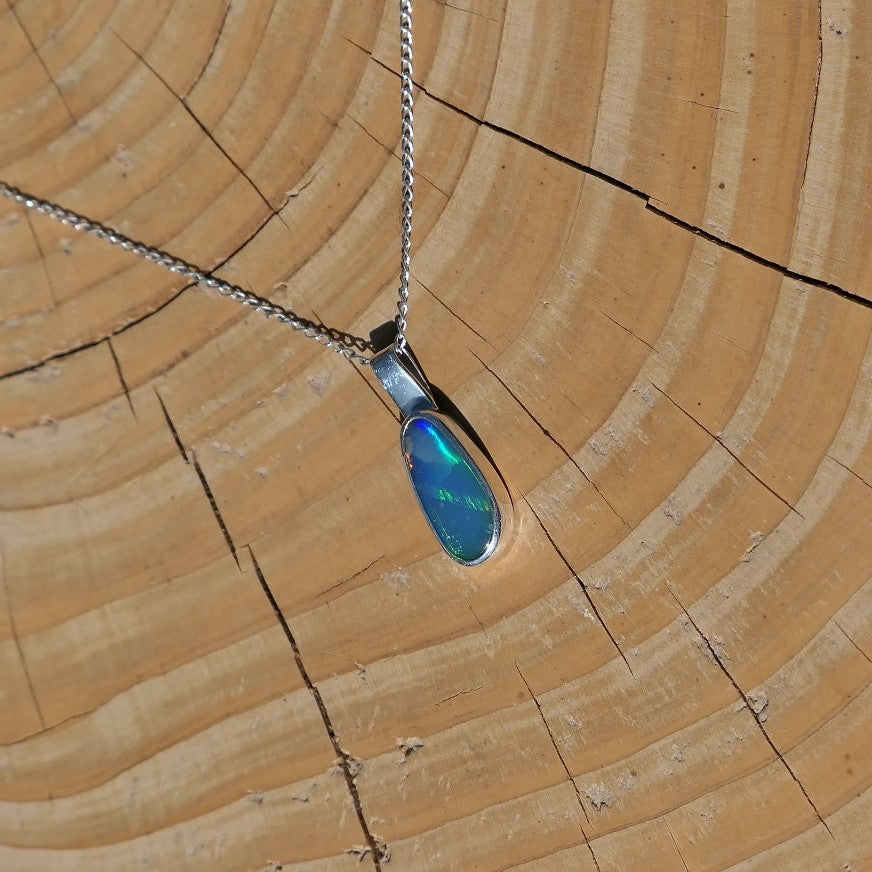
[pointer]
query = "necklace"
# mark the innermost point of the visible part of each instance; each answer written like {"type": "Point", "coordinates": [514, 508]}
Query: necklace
{"type": "Point", "coordinates": [458, 490]}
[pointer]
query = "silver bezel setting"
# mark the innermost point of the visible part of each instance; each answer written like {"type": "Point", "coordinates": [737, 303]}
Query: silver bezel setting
{"type": "Point", "coordinates": [484, 472]}
{"type": "Point", "coordinates": [402, 377]}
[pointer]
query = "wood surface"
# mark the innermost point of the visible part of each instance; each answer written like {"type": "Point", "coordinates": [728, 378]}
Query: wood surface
{"type": "Point", "coordinates": [642, 270]}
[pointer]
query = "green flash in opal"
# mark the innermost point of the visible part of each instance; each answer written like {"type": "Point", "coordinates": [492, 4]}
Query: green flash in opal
{"type": "Point", "coordinates": [453, 493]}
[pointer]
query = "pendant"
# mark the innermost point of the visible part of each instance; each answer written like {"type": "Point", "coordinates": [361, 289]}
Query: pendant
{"type": "Point", "coordinates": [459, 492]}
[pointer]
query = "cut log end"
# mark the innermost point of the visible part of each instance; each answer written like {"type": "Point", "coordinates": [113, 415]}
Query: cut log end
{"type": "Point", "coordinates": [641, 271]}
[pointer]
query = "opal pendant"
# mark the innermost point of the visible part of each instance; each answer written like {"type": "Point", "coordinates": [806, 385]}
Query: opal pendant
{"type": "Point", "coordinates": [463, 500]}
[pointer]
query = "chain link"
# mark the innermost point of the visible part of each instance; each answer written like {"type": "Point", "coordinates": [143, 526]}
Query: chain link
{"type": "Point", "coordinates": [331, 339]}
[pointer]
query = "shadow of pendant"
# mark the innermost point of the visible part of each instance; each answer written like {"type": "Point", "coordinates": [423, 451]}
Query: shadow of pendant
{"type": "Point", "coordinates": [458, 492]}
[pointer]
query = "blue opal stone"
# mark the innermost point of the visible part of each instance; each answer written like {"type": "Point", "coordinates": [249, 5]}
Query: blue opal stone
{"type": "Point", "coordinates": [454, 495]}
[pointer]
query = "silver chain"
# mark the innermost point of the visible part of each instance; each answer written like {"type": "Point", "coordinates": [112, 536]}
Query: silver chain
{"type": "Point", "coordinates": [331, 339]}
{"type": "Point", "coordinates": [183, 268]}
{"type": "Point", "coordinates": [407, 151]}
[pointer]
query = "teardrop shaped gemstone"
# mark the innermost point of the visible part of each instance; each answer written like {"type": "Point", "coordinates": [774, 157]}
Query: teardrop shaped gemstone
{"type": "Point", "coordinates": [456, 499]}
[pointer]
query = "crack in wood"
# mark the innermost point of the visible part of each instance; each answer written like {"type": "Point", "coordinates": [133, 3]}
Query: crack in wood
{"type": "Point", "coordinates": [191, 460]}
{"type": "Point", "coordinates": [581, 584]}
{"type": "Point", "coordinates": [547, 433]}
{"type": "Point", "coordinates": [675, 842]}
{"type": "Point", "coordinates": [562, 761]}
{"type": "Point", "coordinates": [848, 636]}
{"type": "Point", "coordinates": [387, 148]}
{"type": "Point", "coordinates": [172, 428]}
{"type": "Point", "coordinates": [716, 658]}
{"type": "Point", "coordinates": [517, 137]}
{"type": "Point", "coordinates": [459, 693]}
{"type": "Point", "coordinates": [38, 55]}
{"type": "Point", "coordinates": [706, 105]}
{"type": "Point", "coordinates": [454, 314]}
{"type": "Point", "coordinates": [627, 330]}
{"type": "Point", "coordinates": [295, 192]}
{"type": "Point", "coordinates": [849, 470]}
{"type": "Point", "coordinates": [378, 850]}
{"type": "Point", "coordinates": [636, 192]}
{"type": "Point", "coordinates": [473, 12]}
{"type": "Point", "coordinates": [276, 212]}
{"type": "Point", "coordinates": [785, 271]}
{"type": "Point", "coordinates": [351, 577]}
{"type": "Point", "coordinates": [477, 618]}
{"type": "Point", "coordinates": [214, 505]}
{"type": "Point", "coordinates": [84, 346]}
{"type": "Point", "coordinates": [45, 271]}
{"type": "Point", "coordinates": [589, 170]}
{"type": "Point", "coordinates": [211, 50]}
{"type": "Point", "coordinates": [817, 85]}
{"type": "Point", "coordinates": [141, 318]}
{"type": "Point", "coordinates": [121, 378]}
{"type": "Point", "coordinates": [729, 451]}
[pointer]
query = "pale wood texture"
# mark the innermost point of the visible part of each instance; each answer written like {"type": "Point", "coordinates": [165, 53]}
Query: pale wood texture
{"type": "Point", "coordinates": [643, 270]}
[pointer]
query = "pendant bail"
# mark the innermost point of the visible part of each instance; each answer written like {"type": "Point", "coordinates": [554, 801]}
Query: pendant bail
{"type": "Point", "coordinates": [402, 377]}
